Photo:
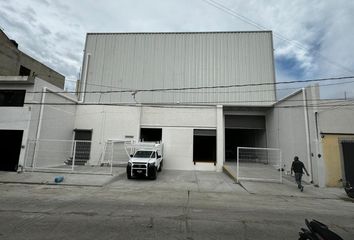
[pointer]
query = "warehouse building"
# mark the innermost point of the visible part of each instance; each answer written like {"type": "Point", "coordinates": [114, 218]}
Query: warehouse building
{"type": "Point", "coordinates": [198, 122]}
{"type": "Point", "coordinates": [203, 94]}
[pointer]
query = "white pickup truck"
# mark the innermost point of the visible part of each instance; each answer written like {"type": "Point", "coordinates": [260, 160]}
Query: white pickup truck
{"type": "Point", "coordinates": [146, 161]}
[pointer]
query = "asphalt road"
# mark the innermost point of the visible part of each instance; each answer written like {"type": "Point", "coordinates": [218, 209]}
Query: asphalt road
{"type": "Point", "coordinates": [64, 212]}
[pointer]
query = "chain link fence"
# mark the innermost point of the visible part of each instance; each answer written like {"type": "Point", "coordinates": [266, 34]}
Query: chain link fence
{"type": "Point", "coordinates": [63, 156]}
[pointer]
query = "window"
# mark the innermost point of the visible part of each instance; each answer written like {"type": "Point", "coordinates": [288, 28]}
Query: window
{"type": "Point", "coordinates": [151, 134]}
{"type": "Point", "coordinates": [12, 98]}
{"type": "Point", "coordinates": [144, 154]}
{"type": "Point", "coordinates": [24, 71]}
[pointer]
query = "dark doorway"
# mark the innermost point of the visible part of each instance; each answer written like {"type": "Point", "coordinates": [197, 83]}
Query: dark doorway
{"type": "Point", "coordinates": [242, 138]}
{"type": "Point", "coordinates": [10, 148]}
{"type": "Point", "coordinates": [204, 146]}
{"type": "Point", "coordinates": [151, 134]}
{"type": "Point", "coordinates": [83, 139]}
{"type": "Point", "coordinates": [348, 159]}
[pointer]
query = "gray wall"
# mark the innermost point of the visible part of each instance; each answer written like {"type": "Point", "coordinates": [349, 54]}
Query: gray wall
{"type": "Point", "coordinates": [291, 127]}
{"type": "Point", "coordinates": [176, 60]}
{"type": "Point", "coordinates": [286, 129]}
{"type": "Point", "coordinates": [11, 58]}
{"type": "Point", "coordinates": [336, 117]}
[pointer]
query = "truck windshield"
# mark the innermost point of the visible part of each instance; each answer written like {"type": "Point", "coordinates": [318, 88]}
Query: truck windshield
{"type": "Point", "coordinates": [144, 154]}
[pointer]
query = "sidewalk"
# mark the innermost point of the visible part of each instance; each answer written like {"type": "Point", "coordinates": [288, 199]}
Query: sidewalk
{"type": "Point", "coordinates": [288, 188]}
{"type": "Point", "coordinates": [70, 179]}
{"type": "Point", "coordinates": [177, 181]}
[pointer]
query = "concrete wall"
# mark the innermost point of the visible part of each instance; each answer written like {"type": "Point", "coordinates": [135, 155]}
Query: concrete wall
{"type": "Point", "coordinates": [333, 162]}
{"type": "Point", "coordinates": [107, 123]}
{"type": "Point", "coordinates": [335, 123]}
{"type": "Point", "coordinates": [286, 129]}
{"type": "Point", "coordinates": [116, 61]}
{"type": "Point", "coordinates": [17, 118]}
{"type": "Point", "coordinates": [57, 120]}
{"type": "Point", "coordinates": [11, 58]}
{"type": "Point", "coordinates": [336, 117]}
{"type": "Point", "coordinates": [177, 124]}
{"type": "Point", "coordinates": [195, 116]}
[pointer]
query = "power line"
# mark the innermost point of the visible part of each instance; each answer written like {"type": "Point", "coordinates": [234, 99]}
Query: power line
{"type": "Point", "coordinates": [209, 87]}
{"type": "Point", "coordinates": [311, 103]}
{"type": "Point", "coordinates": [263, 90]}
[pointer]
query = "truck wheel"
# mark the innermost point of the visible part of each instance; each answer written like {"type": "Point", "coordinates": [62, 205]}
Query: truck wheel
{"type": "Point", "coordinates": [160, 168]}
{"type": "Point", "coordinates": [129, 173]}
{"type": "Point", "coordinates": [152, 173]}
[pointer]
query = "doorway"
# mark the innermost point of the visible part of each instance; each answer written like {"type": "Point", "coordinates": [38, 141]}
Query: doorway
{"type": "Point", "coordinates": [10, 148]}
{"type": "Point", "coordinates": [204, 146]}
{"type": "Point", "coordinates": [348, 160]}
{"type": "Point", "coordinates": [83, 139]}
{"type": "Point", "coordinates": [242, 138]}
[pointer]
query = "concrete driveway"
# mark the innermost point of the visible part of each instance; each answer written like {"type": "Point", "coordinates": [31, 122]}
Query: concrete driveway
{"type": "Point", "coordinates": [196, 181]}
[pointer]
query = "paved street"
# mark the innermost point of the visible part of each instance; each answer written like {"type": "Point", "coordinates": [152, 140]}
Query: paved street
{"type": "Point", "coordinates": [178, 205]}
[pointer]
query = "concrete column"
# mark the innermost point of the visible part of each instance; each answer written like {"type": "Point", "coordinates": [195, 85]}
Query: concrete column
{"type": "Point", "coordinates": [220, 138]}
{"type": "Point", "coordinates": [140, 111]}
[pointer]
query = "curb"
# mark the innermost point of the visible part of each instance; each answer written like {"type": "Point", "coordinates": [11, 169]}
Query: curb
{"type": "Point", "coordinates": [51, 184]}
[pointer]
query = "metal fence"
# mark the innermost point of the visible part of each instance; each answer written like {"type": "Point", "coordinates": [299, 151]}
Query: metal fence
{"type": "Point", "coordinates": [63, 156]}
{"type": "Point", "coordinates": [259, 164]}
{"type": "Point", "coordinates": [115, 152]}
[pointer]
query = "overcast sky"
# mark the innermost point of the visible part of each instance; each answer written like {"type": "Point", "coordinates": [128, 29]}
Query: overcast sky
{"type": "Point", "coordinates": [312, 39]}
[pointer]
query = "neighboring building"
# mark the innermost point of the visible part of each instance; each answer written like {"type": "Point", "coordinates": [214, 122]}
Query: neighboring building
{"type": "Point", "coordinates": [335, 129]}
{"type": "Point", "coordinates": [320, 132]}
{"type": "Point", "coordinates": [23, 81]}
{"type": "Point", "coordinates": [14, 62]}
{"type": "Point", "coordinates": [26, 113]}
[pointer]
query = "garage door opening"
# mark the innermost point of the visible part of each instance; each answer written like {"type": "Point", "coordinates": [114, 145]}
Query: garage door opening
{"type": "Point", "coordinates": [10, 142]}
{"type": "Point", "coordinates": [204, 146]}
{"type": "Point", "coordinates": [151, 134]}
{"type": "Point", "coordinates": [242, 138]}
{"type": "Point", "coordinates": [243, 131]}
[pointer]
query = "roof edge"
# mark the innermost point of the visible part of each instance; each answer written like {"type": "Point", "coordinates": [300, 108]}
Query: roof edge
{"type": "Point", "coordinates": [202, 32]}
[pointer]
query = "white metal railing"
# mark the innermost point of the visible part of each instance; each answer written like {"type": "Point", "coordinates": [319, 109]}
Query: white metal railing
{"type": "Point", "coordinates": [115, 152]}
{"type": "Point", "coordinates": [63, 156]}
{"type": "Point", "coordinates": [259, 164]}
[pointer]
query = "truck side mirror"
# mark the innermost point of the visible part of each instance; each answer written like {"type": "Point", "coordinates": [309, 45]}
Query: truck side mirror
{"type": "Point", "coordinates": [131, 155]}
{"type": "Point", "coordinates": [158, 156]}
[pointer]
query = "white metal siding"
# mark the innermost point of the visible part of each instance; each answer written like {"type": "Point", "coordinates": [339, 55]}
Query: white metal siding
{"type": "Point", "coordinates": [179, 60]}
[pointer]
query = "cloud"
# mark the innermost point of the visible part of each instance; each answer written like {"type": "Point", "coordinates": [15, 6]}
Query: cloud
{"type": "Point", "coordinates": [312, 39]}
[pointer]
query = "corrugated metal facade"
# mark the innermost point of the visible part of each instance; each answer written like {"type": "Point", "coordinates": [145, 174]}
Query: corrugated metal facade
{"type": "Point", "coordinates": [120, 61]}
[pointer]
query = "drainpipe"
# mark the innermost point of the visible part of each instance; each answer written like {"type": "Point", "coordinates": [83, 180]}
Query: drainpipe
{"type": "Point", "coordinates": [41, 113]}
{"type": "Point", "coordinates": [39, 126]}
{"type": "Point", "coordinates": [304, 98]}
{"type": "Point", "coordinates": [84, 75]}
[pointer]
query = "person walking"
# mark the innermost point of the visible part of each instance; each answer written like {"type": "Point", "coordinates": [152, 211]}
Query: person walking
{"type": "Point", "coordinates": [297, 167]}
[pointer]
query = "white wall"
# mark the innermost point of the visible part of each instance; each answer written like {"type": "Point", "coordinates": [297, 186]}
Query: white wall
{"type": "Point", "coordinates": [107, 123]}
{"type": "Point", "coordinates": [291, 127]}
{"type": "Point", "coordinates": [57, 120]}
{"type": "Point", "coordinates": [286, 129]}
{"type": "Point", "coordinates": [337, 118]}
{"type": "Point", "coordinates": [196, 116]}
{"type": "Point", "coordinates": [178, 148]}
{"type": "Point", "coordinates": [177, 124]}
